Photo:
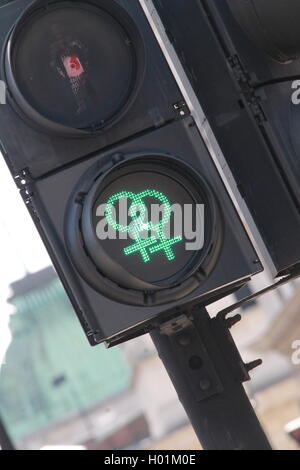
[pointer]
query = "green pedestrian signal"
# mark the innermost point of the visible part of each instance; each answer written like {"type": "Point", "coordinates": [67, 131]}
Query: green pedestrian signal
{"type": "Point", "coordinates": [149, 237]}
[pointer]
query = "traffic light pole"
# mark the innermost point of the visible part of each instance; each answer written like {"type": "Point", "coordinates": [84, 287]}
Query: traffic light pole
{"type": "Point", "coordinates": [207, 372]}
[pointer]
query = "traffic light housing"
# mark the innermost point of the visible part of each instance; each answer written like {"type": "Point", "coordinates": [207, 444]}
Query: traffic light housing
{"type": "Point", "coordinates": [73, 158]}
{"type": "Point", "coordinates": [242, 58]}
{"type": "Point", "coordinates": [45, 93]}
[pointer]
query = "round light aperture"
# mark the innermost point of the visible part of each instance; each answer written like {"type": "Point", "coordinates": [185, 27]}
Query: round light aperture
{"type": "Point", "coordinates": [73, 63]}
{"type": "Point", "coordinates": [140, 245]}
{"type": "Point", "coordinates": [149, 226]}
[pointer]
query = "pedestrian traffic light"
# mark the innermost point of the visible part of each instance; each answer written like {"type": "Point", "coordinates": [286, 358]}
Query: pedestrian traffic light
{"type": "Point", "coordinates": [243, 60]}
{"type": "Point", "coordinates": [150, 269]}
{"type": "Point", "coordinates": [112, 166]}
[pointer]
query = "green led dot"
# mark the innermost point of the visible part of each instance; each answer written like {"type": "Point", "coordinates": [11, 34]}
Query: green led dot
{"type": "Point", "coordinates": [110, 210]}
{"type": "Point", "coordinates": [140, 246]}
{"type": "Point", "coordinates": [145, 246]}
{"type": "Point", "coordinates": [165, 244]}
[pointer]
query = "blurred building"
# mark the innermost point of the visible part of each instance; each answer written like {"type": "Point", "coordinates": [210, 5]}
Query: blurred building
{"type": "Point", "coordinates": [55, 388]}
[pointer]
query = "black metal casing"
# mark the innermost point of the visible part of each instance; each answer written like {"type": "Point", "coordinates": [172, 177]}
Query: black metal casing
{"type": "Point", "coordinates": [256, 126]}
{"type": "Point", "coordinates": [113, 320]}
{"type": "Point", "coordinates": [43, 152]}
{"type": "Point", "coordinates": [48, 168]}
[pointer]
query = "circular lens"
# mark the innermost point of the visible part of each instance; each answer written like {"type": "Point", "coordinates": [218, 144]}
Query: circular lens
{"type": "Point", "coordinates": [150, 225]}
{"type": "Point", "coordinates": [73, 64]}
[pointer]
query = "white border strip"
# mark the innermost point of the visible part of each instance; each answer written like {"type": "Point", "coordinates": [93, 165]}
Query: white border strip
{"type": "Point", "coordinates": [207, 134]}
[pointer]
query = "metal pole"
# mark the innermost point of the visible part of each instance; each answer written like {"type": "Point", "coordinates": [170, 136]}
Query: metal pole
{"type": "Point", "coordinates": [5, 441]}
{"type": "Point", "coordinates": [207, 372]}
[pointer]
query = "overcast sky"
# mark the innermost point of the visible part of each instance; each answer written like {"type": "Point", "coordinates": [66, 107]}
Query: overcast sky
{"type": "Point", "coordinates": [20, 247]}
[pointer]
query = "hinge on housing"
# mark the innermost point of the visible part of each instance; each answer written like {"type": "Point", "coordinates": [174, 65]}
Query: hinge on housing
{"type": "Point", "coordinates": [257, 109]}
{"type": "Point", "coordinates": [239, 71]}
{"type": "Point", "coordinates": [244, 80]}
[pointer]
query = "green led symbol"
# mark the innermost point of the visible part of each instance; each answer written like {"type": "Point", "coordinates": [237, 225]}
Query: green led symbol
{"type": "Point", "coordinates": [146, 246]}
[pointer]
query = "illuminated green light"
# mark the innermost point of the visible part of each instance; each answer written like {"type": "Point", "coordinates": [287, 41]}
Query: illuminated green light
{"type": "Point", "coordinates": [141, 246]}
{"type": "Point", "coordinates": [165, 245]}
{"type": "Point", "coordinates": [145, 246]}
